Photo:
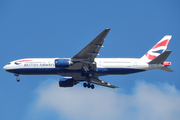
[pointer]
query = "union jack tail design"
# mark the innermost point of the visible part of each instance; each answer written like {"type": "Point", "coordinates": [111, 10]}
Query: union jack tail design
{"type": "Point", "coordinates": [158, 49]}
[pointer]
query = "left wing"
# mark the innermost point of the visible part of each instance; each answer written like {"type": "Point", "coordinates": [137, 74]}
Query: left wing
{"type": "Point", "coordinates": [87, 55]}
{"type": "Point", "coordinates": [85, 60]}
{"type": "Point", "coordinates": [90, 52]}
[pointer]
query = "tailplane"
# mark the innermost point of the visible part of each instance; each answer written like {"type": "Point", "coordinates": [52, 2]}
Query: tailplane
{"type": "Point", "coordinates": [158, 49]}
{"type": "Point", "coordinates": [161, 60]}
{"type": "Point", "coordinates": [166, 69]}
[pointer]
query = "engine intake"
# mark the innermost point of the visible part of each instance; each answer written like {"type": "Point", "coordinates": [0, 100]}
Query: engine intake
{"type": "Point", "coordinates": [67, 82]}
{"type": "Point", "coordinates": [62, 63]}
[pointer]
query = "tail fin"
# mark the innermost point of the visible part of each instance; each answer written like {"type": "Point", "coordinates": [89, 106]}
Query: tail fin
{"type": "Point", "coordinates": [159, 48]}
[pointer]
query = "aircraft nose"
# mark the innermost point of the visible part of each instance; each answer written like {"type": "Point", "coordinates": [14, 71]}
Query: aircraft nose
{"type": "Point", "coordinates": [5, 67]}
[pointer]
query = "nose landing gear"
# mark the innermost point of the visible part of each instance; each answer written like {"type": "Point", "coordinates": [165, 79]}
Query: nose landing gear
{"type": "Point", "coordinates": [17, 76]}
{"type": "Point", "coordinates": [18, 79]}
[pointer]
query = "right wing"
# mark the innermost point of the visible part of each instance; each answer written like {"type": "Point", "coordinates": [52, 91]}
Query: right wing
{"type": "Point", "coordinates": [96, 80]}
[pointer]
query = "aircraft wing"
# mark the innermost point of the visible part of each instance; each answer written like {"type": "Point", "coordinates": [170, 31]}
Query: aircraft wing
{"type": "Point", "coordinates": [96, 80]}
{"type": "Point", "coordinates": [89, 53]}
{"type": "Point", "coordinates": [85, 60]}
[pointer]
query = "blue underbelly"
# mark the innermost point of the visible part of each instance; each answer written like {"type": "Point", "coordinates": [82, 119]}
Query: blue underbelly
{"type": "Point", "coordinates": [55, 71]}
{"type": "Point", "coordinates": [119, 70]}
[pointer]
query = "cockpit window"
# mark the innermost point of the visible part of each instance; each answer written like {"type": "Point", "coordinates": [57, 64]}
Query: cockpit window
{"type": "Point", "coordinates": [9, 63]}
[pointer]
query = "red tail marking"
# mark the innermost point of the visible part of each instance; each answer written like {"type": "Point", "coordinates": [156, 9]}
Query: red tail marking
{"type": "Point", "coordinates": [150, 57]}
{"type": "Point", "coordinates": [163, 43]}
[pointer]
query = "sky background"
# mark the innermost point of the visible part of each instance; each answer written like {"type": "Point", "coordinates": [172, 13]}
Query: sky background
{"type": "Point", "coordinates": [49, 29]}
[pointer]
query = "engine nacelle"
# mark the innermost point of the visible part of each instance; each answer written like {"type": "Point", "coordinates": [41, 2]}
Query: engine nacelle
{"type": "Point", "coordinates": [62, 63]}
{"type": "Point", "coordinates": [67, 82]}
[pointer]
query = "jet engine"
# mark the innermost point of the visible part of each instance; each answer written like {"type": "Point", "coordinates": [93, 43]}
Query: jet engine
{"type": "Point", "coordinates": [67, 82]}
{"type": "Point", "coordinates": [62, 63]}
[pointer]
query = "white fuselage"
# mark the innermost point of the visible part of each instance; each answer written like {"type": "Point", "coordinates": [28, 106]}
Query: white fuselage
{"type": "Point", "coordinates": [105, 66]}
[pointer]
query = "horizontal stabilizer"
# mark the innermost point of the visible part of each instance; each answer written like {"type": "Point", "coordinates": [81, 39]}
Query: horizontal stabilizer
{"type": "Point", "coordinates": [161, 58]}
{"type": "Point", "coordinates": [166, 69]}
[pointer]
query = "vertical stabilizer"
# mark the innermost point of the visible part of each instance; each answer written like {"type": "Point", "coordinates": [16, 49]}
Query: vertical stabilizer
{"type": "Point", "coordinates": [158, 49]}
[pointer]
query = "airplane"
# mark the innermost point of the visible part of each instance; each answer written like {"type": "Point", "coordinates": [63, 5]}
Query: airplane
{"type": "Point", "coordinates": [85, 67]}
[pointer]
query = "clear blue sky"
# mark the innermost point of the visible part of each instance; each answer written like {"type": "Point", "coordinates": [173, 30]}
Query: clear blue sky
{"type": "Point", "coordinates": [49, 29]}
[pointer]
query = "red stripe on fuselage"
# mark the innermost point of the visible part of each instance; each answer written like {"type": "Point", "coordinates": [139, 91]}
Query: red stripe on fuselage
{"type": "Point", "coordinates": [23, 60]}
